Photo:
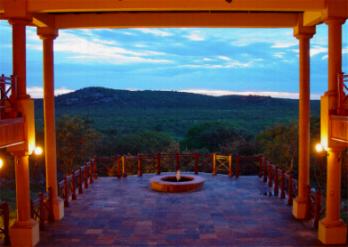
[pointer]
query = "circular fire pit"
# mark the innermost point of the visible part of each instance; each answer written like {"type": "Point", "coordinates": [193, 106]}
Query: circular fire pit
{"type": "Point", "coordinates": [170, 183]}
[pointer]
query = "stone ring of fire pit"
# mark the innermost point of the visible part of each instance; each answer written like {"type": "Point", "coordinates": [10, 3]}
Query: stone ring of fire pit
{"type": "Point", "coordinates": [169, 183]}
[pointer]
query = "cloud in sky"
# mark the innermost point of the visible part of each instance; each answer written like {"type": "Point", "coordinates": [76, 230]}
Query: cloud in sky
{"type": "Point", "coordinates": [154, 31]}
{"type": "Point", "coordinates": [37, 92]}
{"type": "Point", "coordinates": [256, 60]}
{"type": "Point", "coordinates": [95, 50]}
{"type": "Point", "coordinates": [195, 36]}
{"type": "Point", "coordinates": [274, 94]}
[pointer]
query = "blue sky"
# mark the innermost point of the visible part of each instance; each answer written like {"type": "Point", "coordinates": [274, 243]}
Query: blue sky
{"type": "Point", "coordinates": [212, 61]}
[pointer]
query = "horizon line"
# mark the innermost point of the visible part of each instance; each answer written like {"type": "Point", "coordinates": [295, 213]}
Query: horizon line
{"type": "Point", "coordinates": [37, 92]}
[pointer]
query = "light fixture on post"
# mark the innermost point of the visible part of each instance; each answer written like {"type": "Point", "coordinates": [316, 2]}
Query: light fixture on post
{"type": "Point", "coordinates": [320, 149]}
{"type": "Point", "coordinates": [38, 151]}
{"type": "Point", "coordinates": [1, 163]}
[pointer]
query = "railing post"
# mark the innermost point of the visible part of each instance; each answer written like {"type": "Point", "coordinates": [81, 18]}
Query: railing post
{"type": "Point", "coordinates": [177, 162]}
{"type": "Point", "coordinates": [66, 192]}
{"type": "Point", "coordinates": [41, 211]}
{"type": "Point", "coordinates": [6, 218]}
{"type": "Point", "coordinates": [265, 171]}
{"type": "Point", "coordinates": [290, 190]}
{"type": "Point", "coordinates": [261, 166]}
{"type": "Point", "coordinates": [91, 172]}
{"type": "Point", "coordinates": [118, 163]}
{"type": "Point", "coordinates": [158, 162]}
{"type": "Point", "coordinates": [237, 165]}
{"type": "Point", "coordinates": [50, 205]}
{"type": "Point", "coordinates": [309, 208]}
{"type": "Point", "coordinates": [85, 176]}
{"type": "Point", "coordinates": [124, 166]}
{"type": "Point", "coordinates": [317, 208]}
{"type": "Point", "coordinates": [73, 186]}
{"type": "Point", "coordinates": [196, 156]}
{"type": "Point", "coordinates": [140, 168]}
{"type": "Point", "coordinates": [270, 182]}
{"type": "Point", "coordinates": [282, 185]}
{"type": "Point", "coordinates": [80, 181]}
{"type": "Point", "coordinates": [214, 164]}
{"type": "Point", "coordinates": [95, 172]}
{"type": "Point", "coordinates": [276, 181]}
{"type": "Point", "coordinates": [230, 172]}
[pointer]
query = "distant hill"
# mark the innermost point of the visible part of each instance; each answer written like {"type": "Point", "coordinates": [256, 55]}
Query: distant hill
{"type": "Point", "coordinates": [172, 111]}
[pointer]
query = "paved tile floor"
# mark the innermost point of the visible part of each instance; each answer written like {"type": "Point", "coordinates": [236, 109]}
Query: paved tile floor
{"type": "Point", "coordinates": [227, 212]}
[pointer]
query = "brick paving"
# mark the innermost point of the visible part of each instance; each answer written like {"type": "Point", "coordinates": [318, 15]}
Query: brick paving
{"type": "Point", "coordinates": [226, 212]}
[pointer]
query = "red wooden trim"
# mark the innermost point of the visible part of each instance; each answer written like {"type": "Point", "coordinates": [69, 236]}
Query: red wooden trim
{"type": "Point", "coordinates": [80, 180]}
{"type": "Point", "coordinates": [177, 162]}
{"type": "Point", "coordinates": [6, 221]}
{"type": "Point", "coordinates": [66, 192]}
{"type": "Point", "coordinates": [158, 163]}
{"type": "Point", "coordinates": [118, 162]}
{"type": "Point", "coordinates": [261, 166]}
{"type": "Point", "coordinates": [85, 175]}
{"type": "Point", "coordinates": [276, 182]}
{"type": "Point", "coordinates": [196, 157]}
{"type": "Point", "coordinates": [269, 169]}
{"type": "Point", "coordinates": [237, 166]}
{"type": "Point", "coordinates": [290, 190]}
{"type": "Point", "coordinates": [140, 166]}
{"type": "Point", "coordinates": [124, 166]}
{"type": "Point", "coordinates": [282, 184]}
{"type": "Point", "coordinates": [265, 171]}
{"type": "Point", "coordinates": [90, 172]}
{"type": "Point", "coordinates": [73, 187]}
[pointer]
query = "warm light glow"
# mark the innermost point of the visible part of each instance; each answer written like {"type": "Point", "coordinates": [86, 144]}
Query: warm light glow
{"type": "Point", "coordinates": [1, 163]}
{"type": "Point", "coordinates": [178, 175]}
{"type": "Point", "coordinates": [38, 151]}
{"type": "Point", "coordinates": [319, 148]}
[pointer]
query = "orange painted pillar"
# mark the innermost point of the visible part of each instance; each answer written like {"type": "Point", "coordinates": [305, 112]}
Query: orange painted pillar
{"type": "Point", "coordinates": [25, 231]}
{"type": "Point", "coordinates": [48, 35]}
{"type": "Point", "coordinates": [332, 230]}
{"type": "Point", "coordinates": [19, 56]}
{"type": "Point", "coordinates": [22, 187]}
{"type": "Point", "coordinates": [300, 203]}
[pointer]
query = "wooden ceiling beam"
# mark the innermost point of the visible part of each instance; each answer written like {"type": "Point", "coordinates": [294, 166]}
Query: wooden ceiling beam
{"type": "Point", "coordinates": [53, 6]}
{"type": "Point", "coordinates": [179, 19]}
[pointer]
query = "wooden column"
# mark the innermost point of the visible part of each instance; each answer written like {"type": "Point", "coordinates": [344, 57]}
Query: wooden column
{"type": "Point", "coordinates": [300, 204]}
{"type": "Point", "coordinates": [332, 230]}
{"type": "Point", "coordinates": [48, 35]}
{"type": "Point", "coordinates": [25, 231]}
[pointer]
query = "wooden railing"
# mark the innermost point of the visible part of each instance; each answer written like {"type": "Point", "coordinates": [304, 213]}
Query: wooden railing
{"type": "Point", "coordinates": [5, 216]}
{"type": "Point", "coordinates": [194, 162]}
{"type": "Point", "coordinates": [41, 209]}
{"type": "Point", "coordinates": [8, 94]}
{"type": "Point", "coordinates": [72, 185]}
{"type": "Point", "coordinates": [342, 94]}
{"type": "Point", "coordinates": [11, 131]}
{"type": "Point", "coordinates": [68, 189]}
{"type": "Point", "coordinates": [282, 184]}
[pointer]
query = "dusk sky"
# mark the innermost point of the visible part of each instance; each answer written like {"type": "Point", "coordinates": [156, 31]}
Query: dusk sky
{"type": "Point", "coordinates": [213, 61]}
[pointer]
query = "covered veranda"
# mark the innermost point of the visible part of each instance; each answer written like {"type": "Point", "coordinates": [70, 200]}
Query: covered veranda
{"type": "Point", "coordinates": [226, 212]}
{"type": "Point", "coordinates": [18, 128]}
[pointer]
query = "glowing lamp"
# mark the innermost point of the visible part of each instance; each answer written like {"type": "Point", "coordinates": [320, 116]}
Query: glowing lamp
{"type": "Point", "coordinates": [319, 148]}
{"type": "Point", "coordinates": [1, 163]}
{"type": "Point", "coordinates": [38, 151]}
